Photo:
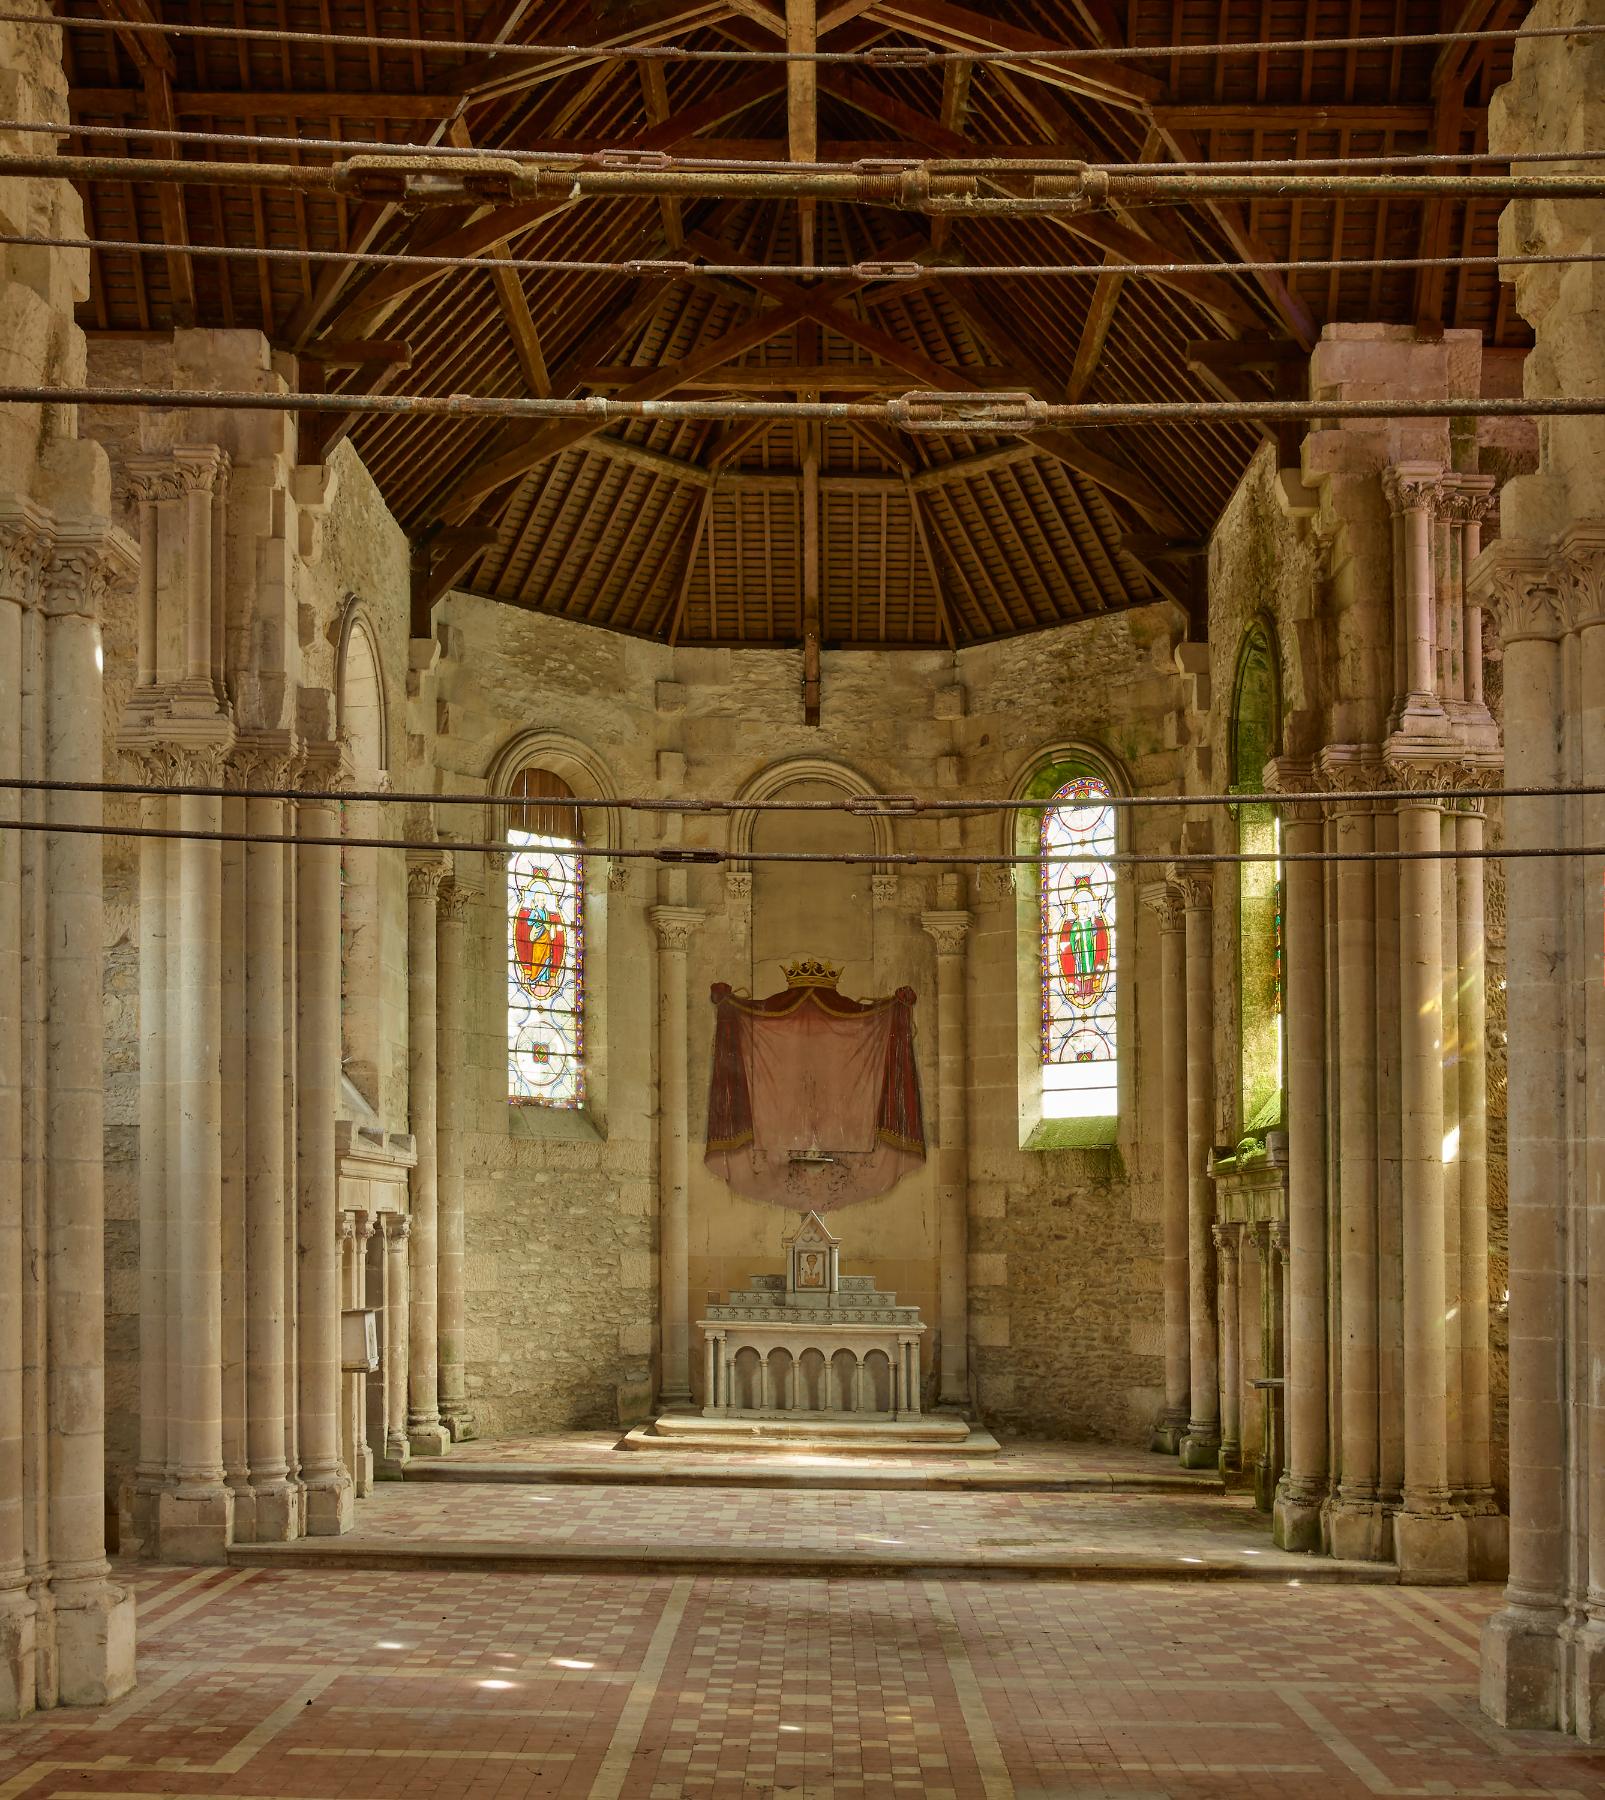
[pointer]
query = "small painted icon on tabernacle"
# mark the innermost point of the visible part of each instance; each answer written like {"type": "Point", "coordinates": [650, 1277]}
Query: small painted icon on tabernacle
{"type": "Point", "coordinates": [811, 1269]}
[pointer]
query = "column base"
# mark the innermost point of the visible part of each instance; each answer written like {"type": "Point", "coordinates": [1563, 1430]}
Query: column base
{"type": "Point", "coordinates": [94, 1642]}
{"type": "Point", "coordinates": [1169, 1430]}
{"type": "Point", "coordinates": [1200, 1448]}
{"type": "Point", "coordinates": [244, 1531]}
{"type": "Point", "coordinates": [1296, 1517]}
{"type": "Point", "coordinates": [1359, 1530]}
{"type": "Point", "coordinates": [194, 1524]}
{"type": "Point", "coordinates": [1587, 1719]}
{"type": "Point", "coordinates": [19, 1689]}
{"type": "Point", "coordinates": [1521, 1668]}
{"type": "Point", "coordinates": [362, 1475]}
{"type": "Point", "coordinates": [1231, 1457]}
{"type": "Point", "coordinates": [144, 1502]}
{"type": "Point", "coordinates": [429, 1437]}
{"type": "Point", "coordinates": [460, 1423]}
{"type": "Point", "coordinates": [1431, 1549]}
{"type": "Point", "coordinates": [331, 1506]}
{"type": "Point", "coordinates": [1488, 1536]}
{"type": "Point", "coordinates": [278, 1513]}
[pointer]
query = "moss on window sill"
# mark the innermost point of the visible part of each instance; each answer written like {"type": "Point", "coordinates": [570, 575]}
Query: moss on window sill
{"type": "Point", "coordinates": [1074, 1134]}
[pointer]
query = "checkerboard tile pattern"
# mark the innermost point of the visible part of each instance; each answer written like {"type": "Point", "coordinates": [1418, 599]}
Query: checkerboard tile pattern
{"type": "Point", "coordinates": [321, 1685]}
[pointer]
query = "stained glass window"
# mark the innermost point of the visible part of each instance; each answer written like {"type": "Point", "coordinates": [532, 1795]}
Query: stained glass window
{"type": "Point", "coordinates": [1079, 962]}
{"type": "Point", "coordinates": [545, 952]}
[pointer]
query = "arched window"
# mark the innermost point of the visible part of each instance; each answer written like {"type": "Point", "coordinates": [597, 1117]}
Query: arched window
{"type": "Point", "coordinates": [1255, 739]}
{"type": "Point", "coordinates": [545, 944]}
{"type": "Point", "coordinates": [364, 871]}
{"type": "Point", "coordinates": [1079, 960]}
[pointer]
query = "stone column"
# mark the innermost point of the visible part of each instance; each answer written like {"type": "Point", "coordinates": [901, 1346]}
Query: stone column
{"type": "Point", "coordinates": [1521, 1644]}
{"type": "Point", "coordinates": [674, 926]}
{"type": "Point", "coordinates": [1167, 907]}
{"type": "Point", "coordinates": [196, 1510]}
{"type": "Point", "coordinates": [1303, 1491]}
{"type": "Point", "coordinates": [949, 931]}
{"type": "Point", "coordinates": [1201, 1447]}
{"type": "Point", "coordinates": [451, 978]}
{"type": "Point", "coordinates": [393, 1457]}
{"type": "Point", "coordinates": [94, 1620]}
{"type": "Point", "coordinates": [23, 547]}
{"type": "Point", "coordinates": [267, 1196]}
{"type": "Point", "coordinates": [1490, 1543]}
{"type": "Point", "coordinates": [428, 1436]}
{"type": "Point", "coordinates": [329, 1499]}
{"type": "Point", "coordinates": [1228, 1242]}
{"type": "Point", "coordinates": [1411, 490]}
{"type": "Point", "coordinates": [1356, 1522]}
{"type": "Point", "coordinates": [356, 1228]}
{"type": "Point", "coordinates": [1429, 1538]}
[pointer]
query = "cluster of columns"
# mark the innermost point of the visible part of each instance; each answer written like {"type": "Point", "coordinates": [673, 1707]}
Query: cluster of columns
{"type": "Point", "coordinates": [66, 1631]}
{"type": "Point", "coordinates": [437, 1409]}
{"type": "Point", "coordinates": [239, 951]}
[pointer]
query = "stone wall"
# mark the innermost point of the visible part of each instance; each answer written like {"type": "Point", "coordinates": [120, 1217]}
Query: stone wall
{"type": "Point", "coordinates": [1064, 1284]}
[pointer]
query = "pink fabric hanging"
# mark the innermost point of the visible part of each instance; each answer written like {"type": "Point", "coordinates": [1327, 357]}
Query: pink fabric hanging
{"type": "Point", "coordinates": [809, 1073]}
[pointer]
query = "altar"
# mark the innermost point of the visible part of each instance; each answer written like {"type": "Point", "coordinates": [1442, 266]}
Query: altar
{"type": "Point", "coordinates": [811, 1343]}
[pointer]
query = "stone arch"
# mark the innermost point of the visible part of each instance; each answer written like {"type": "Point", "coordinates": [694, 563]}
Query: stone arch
{"type": "Point", "coordinates": [775, 778]}
{"type": "Point", "coordinates": [584, 771]}
{"type": "Point", "coordinates": [361, 708]}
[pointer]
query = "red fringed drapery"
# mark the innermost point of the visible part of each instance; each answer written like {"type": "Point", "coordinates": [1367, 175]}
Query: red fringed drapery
{"type": "Point", "coordinates": [808, 1075]}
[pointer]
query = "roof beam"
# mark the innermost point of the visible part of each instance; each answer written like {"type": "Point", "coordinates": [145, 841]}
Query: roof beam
{"type": "Point", "coordinates": [767, 378]}
{"type": "Point", "coordinates": [802, 108]}
{"type": "Point", "coordinates": [957, 28]}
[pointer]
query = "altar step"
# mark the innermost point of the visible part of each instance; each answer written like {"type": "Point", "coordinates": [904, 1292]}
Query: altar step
{"type": "Point", "coordinates": [929, 1434]}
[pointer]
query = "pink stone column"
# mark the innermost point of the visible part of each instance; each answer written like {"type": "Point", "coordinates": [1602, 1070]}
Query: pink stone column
{"type": "Point", "coordinates": [1166, 905]}
{"type": "Point", "coordinates": [1429, 1538]}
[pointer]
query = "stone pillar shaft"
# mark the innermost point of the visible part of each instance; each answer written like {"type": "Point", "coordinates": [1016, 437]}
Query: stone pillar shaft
{"type": "Point", "coordinates": [1228, 1242]}
{"type": "Point", "coordinates": [323, 1471]}
{"type": "Point", "coordinates": [425, 1431]}
{"type": "Point", "coordinates": [266, 1190]}
{"type": "Point", "coordinates": [1172, 1423]}
{"type": "Point", "coordinates": [1201, 1447]}
{"type": "Point", "coordinates": [451, 978]}
{"type": "Point", "coordinates": [1302, 1494]}
{"type": "Point", "coordinates": [949, 930]}
{"type": "Point", "coordinates": [396, 1447]}
{"type": "Point", "coordinates": [674, 926]}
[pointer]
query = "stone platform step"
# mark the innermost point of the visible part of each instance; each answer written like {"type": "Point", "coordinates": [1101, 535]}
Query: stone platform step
{"type": "Point", "coordinates": [933, 1434]}
{"type": "Point", "coordinates": [770, 1563]}
{"type": "Point", "coordinates": [816, 1471]}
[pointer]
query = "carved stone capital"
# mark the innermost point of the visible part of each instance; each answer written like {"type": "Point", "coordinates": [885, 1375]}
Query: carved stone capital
{"type": "Point", "coordinates": [1295, 775]}
{"type": "Point", "coordinates": [883, 888]}
{"type": "Point", "coordinates": [325, 767]}
{"type": "Point", "coordinates": [24, 550]}
{"type": "Point", "coordinates": [1421, 774]}
{"type": "Point", "coordinates": [738, 886]}
{"type": "Point", "coordinates": [1467, 499]}
{"type": "Point", "coordinates": [454, 901]}
{"type": "Point", "coordinates": [1349, 769]}
{"type": "Point", "coordinates": [202, 468]}
{"type": "Point", "coordinates": [947, 929]}
{"type": "Point", "coordinates": [999, 883]}
{"type": "Point", "coordinates": [80, 569]}
{"type": "Point", "coordinates": [1580, 573]}
{"type": "Point", "coordinates": [675, 925]}
{"type": "Point", "coordinates": [1516, 581]}
{"type": "Point", "coordinates": [397, 1228]}
{"type": "Point", "coordinates": [426, 870]}
{"type": "Point", "coordinates": [194, 758]}
{"type": "Point", "coordinates": [1165, 903]}
{"type": "Point", "coordinates": [1194, 882]}
{"type": "Point", "coordinates": [264, 759]}
{"type": "Point", "coordinates": [1228, 1235]}
{"type": "Point", "coordinates": [618, 875]}
{"type": "Point", "coordinates": [1411, 487]}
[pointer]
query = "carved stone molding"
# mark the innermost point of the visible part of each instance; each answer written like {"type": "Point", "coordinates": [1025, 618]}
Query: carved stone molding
{"type": "Point", "coordinates": [454, 900]}
{"type": "Point", "coordinates": [1165, 902]}
{"type": "Point", "coordinates": [675, 925]}
{"type": "Point", "coordinates": [1517, 583]}
{"type": "Point", "coordinates": [947, 929]}
{"type": "Point", "coordinates": [1194, 882]}
{"type": "Point", "coordinates": [1411, 487]}
{"type": "Point", "coordinates": [24, 550]}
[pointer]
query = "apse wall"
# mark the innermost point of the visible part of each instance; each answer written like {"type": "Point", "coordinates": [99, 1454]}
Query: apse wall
{"type": "Point", "coordinates": [1063, 1268]}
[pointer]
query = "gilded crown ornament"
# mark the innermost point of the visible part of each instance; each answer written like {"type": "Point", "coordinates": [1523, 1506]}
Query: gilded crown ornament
{"type": "Point", "coordinates": [811, 971]}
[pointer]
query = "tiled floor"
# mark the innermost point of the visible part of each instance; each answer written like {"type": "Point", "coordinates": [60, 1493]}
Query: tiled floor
{"type": "Point", "coordinates": [279, 1685]}
{"type": "Point", "coordinates": [1179, 1532]}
